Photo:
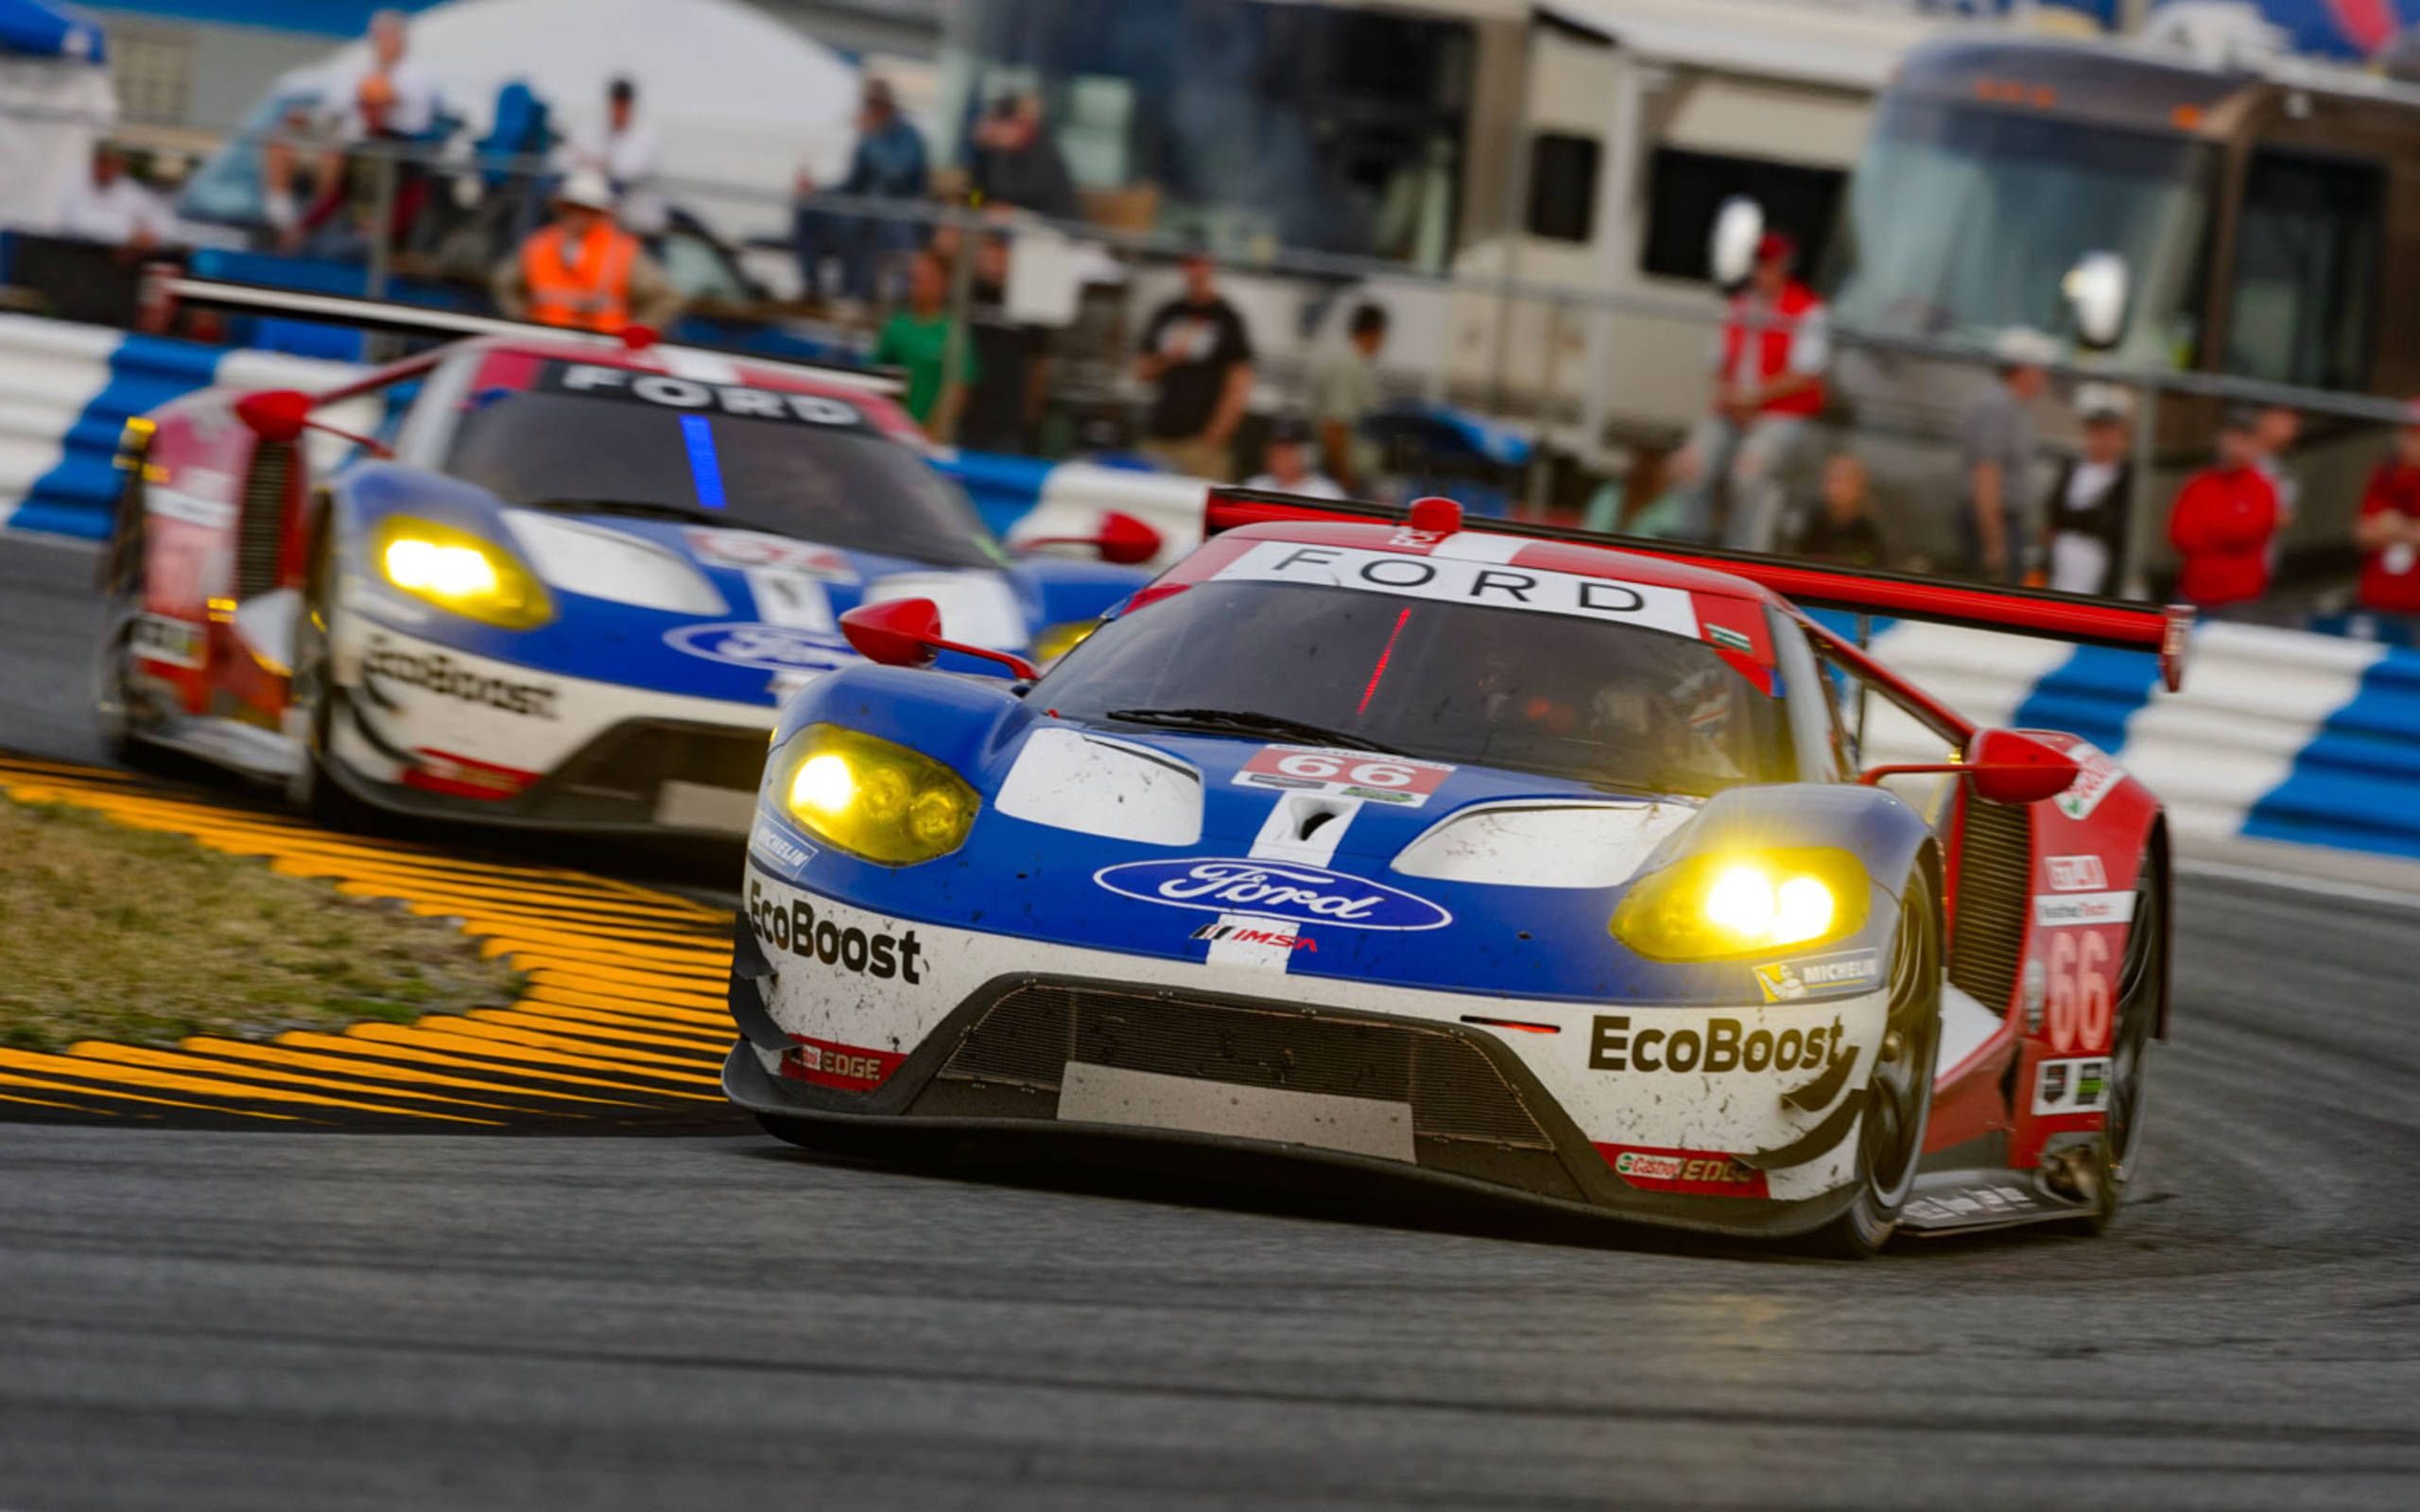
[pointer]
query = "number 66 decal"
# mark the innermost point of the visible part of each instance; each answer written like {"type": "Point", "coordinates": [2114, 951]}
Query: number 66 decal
{"type": "Point", "coordinates": [2080, 991]}
{"type": "Point", "coordinates": [1375, 778]}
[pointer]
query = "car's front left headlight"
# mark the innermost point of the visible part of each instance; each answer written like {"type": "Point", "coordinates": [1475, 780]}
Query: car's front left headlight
{"type": "Point", "coordinates": [1730, 903]}
{"type": "Point", "coordinates": [459, 572]}
{"type": "Point", "coordinates": [875, 798]}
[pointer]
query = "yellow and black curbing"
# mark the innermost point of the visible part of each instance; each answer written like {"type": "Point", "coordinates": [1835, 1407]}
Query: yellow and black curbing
{"type": "Point", "coordinates": [621, 1024]}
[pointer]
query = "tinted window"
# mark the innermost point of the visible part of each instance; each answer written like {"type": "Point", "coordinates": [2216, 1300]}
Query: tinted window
{"type": "Point", "coordinates": [1686, 189]}
{"type": "Point", "coordinates": [2305, 271]}
{"type": "Point", "coordinates": [846, 488]}
{"type": "Point", "coordinates": [1606, 703]}
{"type": "Point", "coordinates": [1563, 186]}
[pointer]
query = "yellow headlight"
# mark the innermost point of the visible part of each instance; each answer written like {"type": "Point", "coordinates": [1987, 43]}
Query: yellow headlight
{"type": "Point", "coordinates": [876, 799]}
{"type": "Point", "coordinates": [1058, 639]}
{"type": "Point", "coordinates": [1710, 906]}
{"type": "Point", "coordinates": [458, 571]}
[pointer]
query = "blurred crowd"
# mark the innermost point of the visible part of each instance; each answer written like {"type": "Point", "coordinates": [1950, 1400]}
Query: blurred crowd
{"type": "Point", "coordinates": [582, 245]}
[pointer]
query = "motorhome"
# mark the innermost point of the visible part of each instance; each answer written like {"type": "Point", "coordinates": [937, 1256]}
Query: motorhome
{"type": "Point", "coordinates": [1504, 144]}
{"type": "Point", "coordinates": [2254, 201]}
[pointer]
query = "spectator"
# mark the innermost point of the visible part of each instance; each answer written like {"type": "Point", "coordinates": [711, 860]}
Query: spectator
{"type": "Point", "coordinates": [385, 98]}
{"type": "Point", "coordinates": [2388, 530]}
{"type": "Point", "coordinates": [2092, 505]}
{"type": "Point", "coordinates": [1843, 531]}
{"type": "Point", "coordinates": [584, 271]}
{"type": "Point", "coordinates": [107, 205]}
{"type": "Point", "coordinates": [1344, 393]}
{"type": "Point", "coordinates": [919, 338]}
{"type": "Point", "coordinates": [890, 163]}
{"type": "Point", "coordinates": [1017, 163]}
{"type": "Point", "coordinates": [1199, 352]}
{"type": "Point", "coordinates": [1011, 362]}
{"type": "Point", "coordinates": [625, 150]}
{"type": "Point", "coordinates": [2224, 519]}
{"type": "Point", "coordinates": [1769, 365]}
{"type": "Point", "coordinates": [1287, 462]}
{"type": "Point", "coordinates": [1997, 453]}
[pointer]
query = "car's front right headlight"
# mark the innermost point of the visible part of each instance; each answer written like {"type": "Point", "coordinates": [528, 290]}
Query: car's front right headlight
{"type": "Point", "coordinates": [455, 570]}
{"type": "Point", "coordinates": [875, 798]}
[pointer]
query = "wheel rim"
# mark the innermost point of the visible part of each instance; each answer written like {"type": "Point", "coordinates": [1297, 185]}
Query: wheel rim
{"type": "Point", "coordinates": [1896, 1094]}
{"type": "Point", "coordinates": [2137, 1002]}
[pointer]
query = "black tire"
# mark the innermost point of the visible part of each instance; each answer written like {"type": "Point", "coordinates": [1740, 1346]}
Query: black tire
{"type": "Point", "coordinates": [1898, 1099]}
{"type": "Point", "coordinates": [2117, 1156]}
{"type": "Point", "coordinates": [113, 706]}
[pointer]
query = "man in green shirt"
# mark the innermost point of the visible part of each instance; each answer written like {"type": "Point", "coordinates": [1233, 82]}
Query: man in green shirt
{"type": "Point", "coordinates": [1345, 392]}
{"type": "Point", "coordinates": [918, 338]}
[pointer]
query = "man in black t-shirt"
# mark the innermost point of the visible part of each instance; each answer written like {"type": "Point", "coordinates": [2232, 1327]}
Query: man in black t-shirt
{"type": "Point", "coordinates": [1200, 354]}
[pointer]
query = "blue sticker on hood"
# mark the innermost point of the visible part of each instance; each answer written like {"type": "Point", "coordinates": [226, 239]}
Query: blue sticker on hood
{"type": "Point", "coordinates": [1272, 889]}
{"type": "Point", "coordinates": [767, 647]}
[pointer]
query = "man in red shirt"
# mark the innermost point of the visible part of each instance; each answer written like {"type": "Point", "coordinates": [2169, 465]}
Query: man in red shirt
{"type": "Point", "coordinates": [1768, 365]}
{"type": "Point", "coordinates": [2387, 531]}
{"type": "Point", "coordinates": [2224, 518]}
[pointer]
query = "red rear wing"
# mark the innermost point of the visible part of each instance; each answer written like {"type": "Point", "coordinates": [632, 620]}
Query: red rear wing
{"type": "Point", "coordinates": [2110, 622]}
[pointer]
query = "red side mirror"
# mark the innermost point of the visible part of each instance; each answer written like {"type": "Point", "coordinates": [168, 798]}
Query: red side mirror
{"type": "Point", "coordinates": [1120, 539]}
{"type": "Point", "coordinates": [2008, 767]}
{"type": "Point", "coordinates": [906, 633]}
{"type": "Point", "coordinates": [2004, 765]}
{"type": "Point", "coordinates": [275, 414]}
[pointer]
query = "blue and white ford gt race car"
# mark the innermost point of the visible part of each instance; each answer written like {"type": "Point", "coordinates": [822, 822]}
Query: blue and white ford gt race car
{"type": "Point", "coordinates": [565, 586]}
{"type": "Point", "coordinates": [1505, 858]}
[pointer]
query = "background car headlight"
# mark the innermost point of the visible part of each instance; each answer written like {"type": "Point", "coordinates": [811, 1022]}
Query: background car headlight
{"type": "Point", "coordinates": [1058, 639]}
{"type": "Point", "coordinates": [876, 799]}
{"type": "Point", "coordinates": [459, 572]}
{"type": "Point", "coordinates": [1706, 907]}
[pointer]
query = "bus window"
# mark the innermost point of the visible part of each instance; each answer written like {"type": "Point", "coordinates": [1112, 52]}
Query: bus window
{"type": "Point", "coordinates": [2304, 294]}
{"type": "Point", "coordinates": [1563, 186]}
{"type": "Point", "coordinates": [1686, 189]}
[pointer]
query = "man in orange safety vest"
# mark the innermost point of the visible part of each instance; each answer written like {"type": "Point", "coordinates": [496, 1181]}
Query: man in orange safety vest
{"type": "Point", "coordinates": [583, 271]}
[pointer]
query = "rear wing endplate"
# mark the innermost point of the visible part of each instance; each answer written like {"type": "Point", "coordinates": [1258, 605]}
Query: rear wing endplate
{"type": "Point", "coordinates": [2118, 623]}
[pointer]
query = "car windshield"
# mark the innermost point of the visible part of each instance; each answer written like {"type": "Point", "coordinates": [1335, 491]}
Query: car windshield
{"type": "Point", "coordinates": [1966, 220]}
{"type": "Point", "coordinates": [1613, 705]}
{"type": "Point", "coordinates": [838, 484]}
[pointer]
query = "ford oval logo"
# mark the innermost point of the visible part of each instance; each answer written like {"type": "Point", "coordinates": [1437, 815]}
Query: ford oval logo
{"type": "Point", "coordinates": [766, 648]}
{"type": "Point", "coordinates": [1272, 889]}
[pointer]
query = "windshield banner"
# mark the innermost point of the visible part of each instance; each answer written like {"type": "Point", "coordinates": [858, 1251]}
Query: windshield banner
{"type": "Point", "coordinates": [696, 397]}
{"type": "Point", "coordinates": [1480, 584]}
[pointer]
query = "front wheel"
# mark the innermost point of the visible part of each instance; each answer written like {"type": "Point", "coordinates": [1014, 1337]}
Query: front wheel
{"type": "Point", "coordinates": [1898, 1098]}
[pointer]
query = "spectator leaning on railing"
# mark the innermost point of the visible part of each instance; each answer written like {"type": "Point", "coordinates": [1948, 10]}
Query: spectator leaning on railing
{"type": "Point", "coordinates": [890, 163]}
{"type": "Point", "coordinates": [2387, 531]}
{"type": "Point", "coordinates": [624, 147]}
{"type": "Point", "coordinates": [2224, 519]}
{"type": "Point", "coordinates": [108, 206]}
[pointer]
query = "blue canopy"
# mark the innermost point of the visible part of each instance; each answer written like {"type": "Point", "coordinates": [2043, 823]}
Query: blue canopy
{"type": "Point", "coordinates": [29, 28]}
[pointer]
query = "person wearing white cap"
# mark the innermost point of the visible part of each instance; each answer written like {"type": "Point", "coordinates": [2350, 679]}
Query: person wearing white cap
{"type": "Point", "coordinates": [1995, 453]}
{"type": "Point", "coordinates": [2092, 504]}
{"type": "Point", "coordinates": [583, 271]}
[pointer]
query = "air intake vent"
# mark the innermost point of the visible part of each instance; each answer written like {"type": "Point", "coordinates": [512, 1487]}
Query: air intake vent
{"type": "Point", "coordinates": [261, 531]}
{"type": "Point", "coordinates": [1993, 873]}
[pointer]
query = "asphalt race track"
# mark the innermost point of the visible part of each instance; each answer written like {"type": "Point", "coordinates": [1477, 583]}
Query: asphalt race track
{"type": "Point", "coordinates": [700, 1317]}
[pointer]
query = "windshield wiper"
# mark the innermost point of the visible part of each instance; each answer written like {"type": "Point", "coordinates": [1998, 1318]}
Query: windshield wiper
{"type": "Point", "coordinates": [1269, 727]}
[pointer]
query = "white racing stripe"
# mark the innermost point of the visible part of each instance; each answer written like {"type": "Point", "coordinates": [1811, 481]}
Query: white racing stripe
{"type": "Point", "coordinates": [1281, 840]}
{"type": "Point", "coordinates": [1480, 545]}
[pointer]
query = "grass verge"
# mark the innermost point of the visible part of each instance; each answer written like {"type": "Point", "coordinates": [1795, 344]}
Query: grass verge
{"type": "Point", "coordinates": [110, 932]}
